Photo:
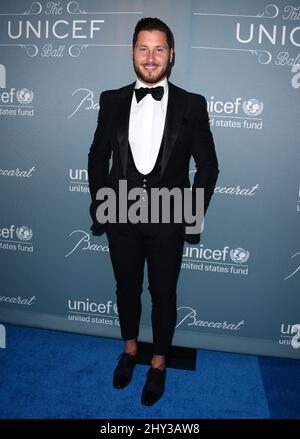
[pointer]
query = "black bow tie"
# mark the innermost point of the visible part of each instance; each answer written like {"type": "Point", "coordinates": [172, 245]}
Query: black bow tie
{"type": "Point", "coordinates": [156, 92]}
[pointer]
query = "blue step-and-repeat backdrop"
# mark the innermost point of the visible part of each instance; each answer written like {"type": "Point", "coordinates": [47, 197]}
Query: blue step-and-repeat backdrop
{"type": "Point", "coordinates": [239, 289]}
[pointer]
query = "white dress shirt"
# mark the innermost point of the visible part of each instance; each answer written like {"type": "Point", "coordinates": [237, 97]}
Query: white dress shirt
{"type": "Point", "coordinates": [146, 127]}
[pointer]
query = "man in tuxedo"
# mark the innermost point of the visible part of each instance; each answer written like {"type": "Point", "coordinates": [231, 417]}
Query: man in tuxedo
{"type": "Point", "coordinates": [151, 128]}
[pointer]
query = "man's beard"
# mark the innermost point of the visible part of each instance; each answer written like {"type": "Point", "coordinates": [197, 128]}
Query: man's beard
{"type": "Point", "coordinates": [151, 77]}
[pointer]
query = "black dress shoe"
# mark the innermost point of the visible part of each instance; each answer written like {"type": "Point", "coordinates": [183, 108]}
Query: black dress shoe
{"type": "Point", "coordinates": [154, 386]}
{"type": "Point", "coordinates": [123, 371]}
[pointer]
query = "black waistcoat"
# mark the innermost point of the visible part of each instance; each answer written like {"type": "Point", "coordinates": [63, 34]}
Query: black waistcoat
{"type": "Point", "coordinates": [145, 181]}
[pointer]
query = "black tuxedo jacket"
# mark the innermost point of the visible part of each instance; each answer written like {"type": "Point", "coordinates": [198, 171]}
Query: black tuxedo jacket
{"type": "Point", "coordinates": [186, 134]}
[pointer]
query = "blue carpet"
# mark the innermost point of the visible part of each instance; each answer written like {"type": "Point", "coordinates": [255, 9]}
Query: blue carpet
{"type": "Point", "coordinates": [50, 374]}
{"type": "Point", "coordinates": [281, 377]}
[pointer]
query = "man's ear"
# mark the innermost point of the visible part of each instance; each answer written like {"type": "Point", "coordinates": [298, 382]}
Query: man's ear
{"type": "Point", "coordinates": [171, 58]}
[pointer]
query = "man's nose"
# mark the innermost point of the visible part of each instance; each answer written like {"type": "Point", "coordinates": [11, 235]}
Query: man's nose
{"type": "Point", "coordinates": [150, 56]}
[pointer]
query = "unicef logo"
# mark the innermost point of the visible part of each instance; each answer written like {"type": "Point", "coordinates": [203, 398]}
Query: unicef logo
{"type": "Point", "coordinates": [24, 233]}
{"type": "Point", "coordinates": [24, 96]}
{"type": "Point", "coordinates": [115, 309]}
{"type": "Point", "coordinates": [253, 107]}
{"type": "Point", "coordinates": [239, 255]}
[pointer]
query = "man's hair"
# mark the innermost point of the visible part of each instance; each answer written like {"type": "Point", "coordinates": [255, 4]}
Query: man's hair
{"type": "Point", "coordinates": [150, 24]}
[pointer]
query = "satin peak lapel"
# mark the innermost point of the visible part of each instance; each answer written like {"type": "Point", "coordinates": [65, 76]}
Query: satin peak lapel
{"type": "Point", "coordinates": [175, 112]}
{"type": "Point", "coordinates": [124, 102]}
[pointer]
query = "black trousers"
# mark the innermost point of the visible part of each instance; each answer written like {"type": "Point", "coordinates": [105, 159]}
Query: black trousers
{"type": "Point", "coordinates": [161, 245]}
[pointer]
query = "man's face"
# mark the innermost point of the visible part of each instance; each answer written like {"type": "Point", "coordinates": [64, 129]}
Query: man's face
{"type": "Point", "coordinates": [151, 56]}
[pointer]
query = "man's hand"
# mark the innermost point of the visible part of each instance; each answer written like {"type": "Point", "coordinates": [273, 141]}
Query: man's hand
{"type": "Point", "coordinates": [192, 238]}
{"type": "Point", "coordinates": [98, 229]}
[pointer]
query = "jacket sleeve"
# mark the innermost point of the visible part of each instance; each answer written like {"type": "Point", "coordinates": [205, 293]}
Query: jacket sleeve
{"type": "Point", "coordinates": [98, 160]}
{"type": "Point", "coordinates": [204, 154]}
